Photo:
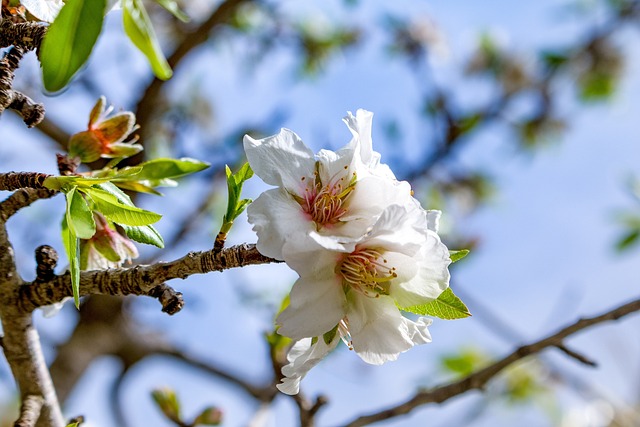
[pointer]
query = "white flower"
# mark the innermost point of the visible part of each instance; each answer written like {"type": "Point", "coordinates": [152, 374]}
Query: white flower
{"type": "Point", "coordinates": [44, 10]}
{"type": "Point", "coordinates": [331, 193]}
{"type": "Point", "coordinates": [358, 286]}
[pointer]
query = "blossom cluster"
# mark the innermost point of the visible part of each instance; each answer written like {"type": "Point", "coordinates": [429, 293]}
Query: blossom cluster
{"type": "Point", "coordinates": [363, 247]}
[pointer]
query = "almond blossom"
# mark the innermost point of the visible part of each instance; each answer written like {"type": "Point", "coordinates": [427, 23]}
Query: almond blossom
{"type": "Point", "coordinates": [329, 193]}
{"type": "Point", "coordinates": [356, 291]}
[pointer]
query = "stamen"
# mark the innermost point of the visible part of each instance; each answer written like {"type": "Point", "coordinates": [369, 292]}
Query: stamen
{"type": "Point", "coordinates": [325, 203]}
{"type": "Point", "coordinates": [365, 271]}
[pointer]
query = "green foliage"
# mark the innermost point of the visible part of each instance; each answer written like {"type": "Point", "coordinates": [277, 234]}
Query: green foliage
{"type": "Point", "coordinates": [70, 243]}
{"type": "Point", "coordinates": [172, 7]}
{"type": "Point", "coordinates": [447, 306]}
{"type": "Point", "coordinates": [209, 417]}
{"type": "Point", "coordinates": [464, 363]}
{"type": "Point", "coordinates": [70, 40]}
{"type": "Point", "coordinates": [138, 27]}
{"type": "Point", "coordinates": [118, 209]}
{"type": "Point", "coordinates": [167, 401]}
{"type": "Point", "coordinates": [458, 255]}
{"type": "Point", "coordinates": [235, 205]}
{"type": "Point", "coordinates": [146, 234]}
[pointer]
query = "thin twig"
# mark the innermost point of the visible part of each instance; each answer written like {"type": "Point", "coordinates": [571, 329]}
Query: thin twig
{"type": "Point", "coordinates": [478, 379]}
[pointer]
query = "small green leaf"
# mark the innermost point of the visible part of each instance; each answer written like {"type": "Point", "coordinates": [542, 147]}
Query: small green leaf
{"type": "Point", "coordinates": [628, 240]}
{"type": "Point", "coordinates": [458, 255]}
{"type": "Point", "coordinates": [138, 27]}
{"type": "Point", "coordinates": [78, 215]}
{"type": "Point", "coordinates": [167, 401]}
{"type": "Point", "coordinates": [70, 40]}
{"type": "Point", "coordinates": [448, 306]}
{"type": "Point", "coordinates": [70, 243]}
{"type": "Point", "coordinates": [146, 234]}
{"type": "Point", "coordinates": [329, 336]}
{"type": "Point", "coordinates": [159, 169]}
{"type": "Point", "coordinates": [60, 182]}
{"type": "Point", "coordinates": [172, 7]}
{"type": "Point", "coordinates": [118, 211]}
{"type": "Point", "coordinates": [209, 417]}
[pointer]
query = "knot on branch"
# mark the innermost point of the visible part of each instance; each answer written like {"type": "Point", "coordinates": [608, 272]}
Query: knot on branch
{"type": "Point", "coordinates": [66, 165]}
{"type": "Point", "coordinates": [46, 259]}
{"type": "Point", "coordinates": [171, 300]}
{"type": "Point", "coordinates": [23, 37]}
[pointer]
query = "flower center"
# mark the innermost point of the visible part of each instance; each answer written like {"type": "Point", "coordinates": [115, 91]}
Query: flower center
{"type": "Point", "coordinates": [366, 271]}
{"type": "Point", "coordinates": [325, 203]}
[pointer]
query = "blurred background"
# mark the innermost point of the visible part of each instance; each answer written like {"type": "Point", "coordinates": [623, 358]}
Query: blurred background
{"type": "Point", "coordinates": [519, 120]}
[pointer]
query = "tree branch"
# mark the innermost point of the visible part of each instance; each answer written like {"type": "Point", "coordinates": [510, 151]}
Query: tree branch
{"type": "Point", "coordinates": [147, 104]}
{"type": "Point", "coordinates": [29, 411]}
{"type": "Point", "coordinates": [21, 199]}
{"type": "Point", "coordinates": [478, 379]}
{"type": "Point", "coordinates": [16, 180]}
{"type": "Point", "coordinates": [23, 37]}
{"type": "Point", "coordinates": [138, 280]}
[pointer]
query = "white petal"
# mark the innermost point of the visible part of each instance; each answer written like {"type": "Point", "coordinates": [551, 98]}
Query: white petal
{"type": "Point", "coordinates": [282, 160]}
{"type": "Point", "coordinates": [433, 220]}
{"type": "Point", "coordinates": [44, 10]}
{"type": "Point", "coordinates": [378, 330]}
{"type": "Point", "coordinates": [360, 127]}
{"type": "Point", "coordinates": [315, 307]}
{"type": "Point", "coordinates": [431, 278]}
{"type": "Point", "coordinates": [276, 216]}
{"type": "Point", "coordinates": [373, 194]}
{"type": "Point", "coordinates": [398, 230]}
{"type": "Point", "coordinates": [302, 357]}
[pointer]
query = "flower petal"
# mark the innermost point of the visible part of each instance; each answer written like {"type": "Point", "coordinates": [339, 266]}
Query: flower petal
{"type": "Point", "coordinates": [302, 357]}
{"type": "Point", "coordinates": [276, 216]}
{"type": "Point", "coordinates": [316, 306]}
{"type": "Point", "coordinates": [282, 160]}
{"type": "Point", "coordinates": [378, 330]}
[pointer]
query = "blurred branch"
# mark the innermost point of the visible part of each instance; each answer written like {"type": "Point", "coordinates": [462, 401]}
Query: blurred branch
{"type": "Point", "coordinates": [478, 379]}
{"type": "Point", "coordinates": [262, 393]}
{"type": "Point", "coordinates": [221, 15]}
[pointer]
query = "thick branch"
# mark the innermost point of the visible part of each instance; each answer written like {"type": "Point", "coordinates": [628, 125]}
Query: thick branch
{"type": "Point", "coordinates": [141, 279]}
{"type": "Point", "coordinates": [21, 344]}
{"type": "Point", "coordinates": [478, 379]}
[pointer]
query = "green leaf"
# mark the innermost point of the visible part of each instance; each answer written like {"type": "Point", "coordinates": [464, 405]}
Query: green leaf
{"type": "Point", "coordinates": [329, 336]}
{"type": "Point", "coordinates": [167, 401]}
{"type": "Point", "coordinates": [138, 27]}
{"type": "Point", "coordinates": [448, 306]}
{"type": "Point", "coordinates": [628, 240]}
{"type": "Point", "coordinates": [70, 243]}
{"type": "Point", "coordinates": [78, 215]}
{"type": "Point", "coordinates": [235, 205]}
{"type": "Point", "coordinates": [172, 7]}
{"type": "Point", "coordinates": [69, 41]}
{"type": "Point", "coordinates": [118, 211]}
{"type": "Point", "coordinates": [60, 182]}
{"type": "Point", "coordinates": [146, 234]}
{"type": "Point", "coordinates": [159, 169]}
{"type": "Point", "coordinates": [458, 255]}
{"type": "Point", "coordinates": [209, 417]}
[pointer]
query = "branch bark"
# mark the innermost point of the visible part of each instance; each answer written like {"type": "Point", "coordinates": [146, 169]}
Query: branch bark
{"type": "Point", "coordinates": [478, 379]}
{"type": "Point", "coordinates": [138, 280]}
